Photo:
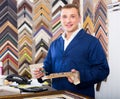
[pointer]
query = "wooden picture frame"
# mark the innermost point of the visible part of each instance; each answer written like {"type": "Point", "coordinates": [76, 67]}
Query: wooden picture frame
{"type": "Point", "coordinates": [44, 95]}
{"type": "Point", "coordinates": [59, 95]}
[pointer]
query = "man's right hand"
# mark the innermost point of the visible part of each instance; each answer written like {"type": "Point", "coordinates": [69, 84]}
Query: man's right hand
{"type": "Point", "coordinates": [39, 72]}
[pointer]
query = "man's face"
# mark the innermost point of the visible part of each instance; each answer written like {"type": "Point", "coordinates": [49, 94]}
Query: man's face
{"type": "Point", "coordinates": [70, 19]}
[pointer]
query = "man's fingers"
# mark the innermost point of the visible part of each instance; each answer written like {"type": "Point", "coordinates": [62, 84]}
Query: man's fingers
{"type": "Point", "coordinates": [38, 72]}
{"type": "Point", "coordinates": [70, 80]}
{"type": "Point", "coordinates": [39, 75]}
{"type": "Point", "coordinates": [73, 70]}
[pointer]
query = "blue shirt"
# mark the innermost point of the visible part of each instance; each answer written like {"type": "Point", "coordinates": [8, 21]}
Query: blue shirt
{"type": "Point", "coordinates": [85, 54]}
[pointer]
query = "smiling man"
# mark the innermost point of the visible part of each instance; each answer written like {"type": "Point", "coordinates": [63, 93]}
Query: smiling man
{"type": "Point", "coordinates": [75, 51]}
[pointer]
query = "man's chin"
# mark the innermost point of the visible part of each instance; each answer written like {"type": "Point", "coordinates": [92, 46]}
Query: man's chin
{"type": "Point", "coordinates": [70, 31]}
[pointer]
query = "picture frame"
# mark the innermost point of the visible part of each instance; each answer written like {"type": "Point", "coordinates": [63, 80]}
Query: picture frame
{"type": "Point", "coordinates": [51, 94]}
{"type": "Point", "coordinates": [62, 94]}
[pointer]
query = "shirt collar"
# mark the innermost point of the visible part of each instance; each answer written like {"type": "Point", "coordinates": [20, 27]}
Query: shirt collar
{"type": "Point", "coordinates": [73, 35]}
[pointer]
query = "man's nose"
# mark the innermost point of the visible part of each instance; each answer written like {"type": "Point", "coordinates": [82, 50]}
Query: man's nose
{"type": "Point", "coordinates": [68, 19]}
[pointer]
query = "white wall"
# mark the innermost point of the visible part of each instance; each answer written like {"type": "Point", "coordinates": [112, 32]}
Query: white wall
{"type": "Point", "coordinates": [111, 88]}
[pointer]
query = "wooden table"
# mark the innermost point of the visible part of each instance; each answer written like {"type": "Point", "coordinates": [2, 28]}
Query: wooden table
{"type": "Point", "coordinates": [54, 94]}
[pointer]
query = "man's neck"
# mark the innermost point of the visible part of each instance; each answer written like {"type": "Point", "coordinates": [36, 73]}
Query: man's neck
{"type": "Point", "coordinates": [68, 35]}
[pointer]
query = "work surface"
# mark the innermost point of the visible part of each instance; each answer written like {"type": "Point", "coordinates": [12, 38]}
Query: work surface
{"type": "Point", "coordinates": [7, 92]}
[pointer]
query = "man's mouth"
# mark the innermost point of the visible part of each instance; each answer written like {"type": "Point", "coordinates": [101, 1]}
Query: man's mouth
{"type": "Point", "coordinates": [69, 25]}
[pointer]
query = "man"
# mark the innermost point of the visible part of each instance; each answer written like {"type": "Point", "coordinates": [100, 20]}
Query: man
{"type": "Point", "coordinates": [75, 50]}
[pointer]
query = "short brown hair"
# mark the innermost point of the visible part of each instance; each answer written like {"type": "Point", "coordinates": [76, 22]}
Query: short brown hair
{"type": "Point", "coordinates": [67, 6]}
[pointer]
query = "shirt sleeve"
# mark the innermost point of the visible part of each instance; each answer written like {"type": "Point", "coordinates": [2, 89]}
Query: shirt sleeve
{"type": "Point", "coordinates": [99, 68]}
{"type": "Point", "coordinates": [48, 62]}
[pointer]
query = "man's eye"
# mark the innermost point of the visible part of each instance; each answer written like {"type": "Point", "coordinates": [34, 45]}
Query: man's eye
{"type": "Point", "coordinates": [73, 16]}
{"type": "Point", "coordinates": [64, 17]}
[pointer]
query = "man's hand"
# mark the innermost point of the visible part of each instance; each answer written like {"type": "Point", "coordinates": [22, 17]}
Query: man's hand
{"type": "Point", "coordinates": [39, 72]}
{"type": "Point", "coordinates": [72, 79]}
